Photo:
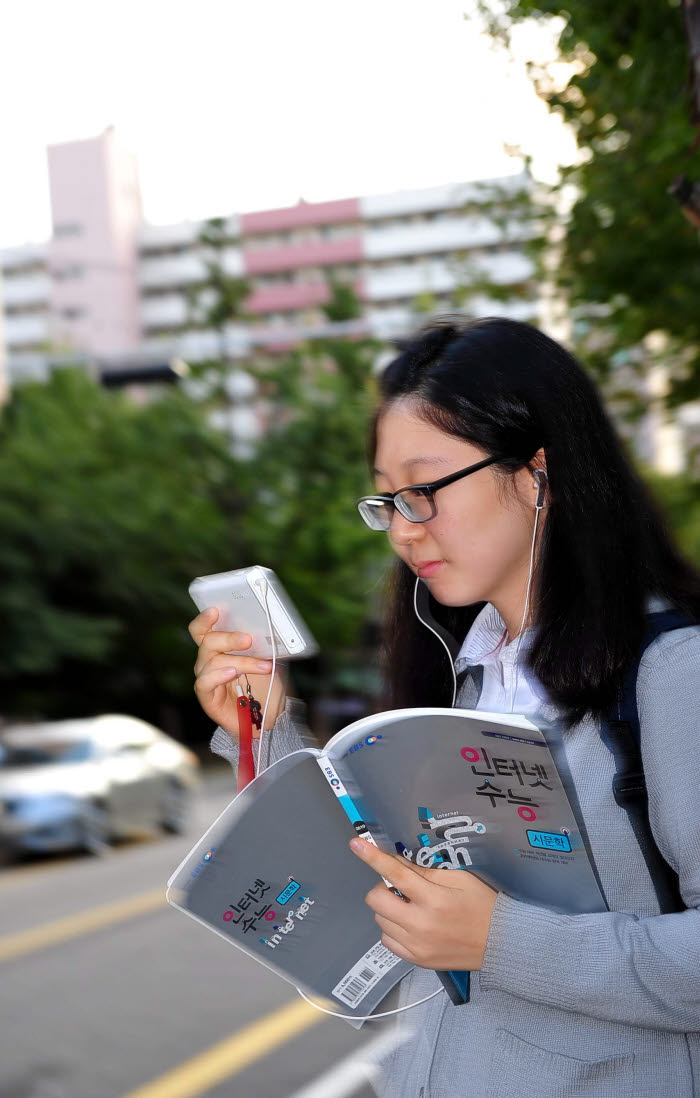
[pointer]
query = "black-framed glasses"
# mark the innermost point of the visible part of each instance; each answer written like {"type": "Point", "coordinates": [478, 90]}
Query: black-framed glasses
{"type": "Point", "coordinates": [415, 502]}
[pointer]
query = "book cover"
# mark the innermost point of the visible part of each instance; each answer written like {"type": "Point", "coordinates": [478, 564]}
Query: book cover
{"type": "Point", "coordinates": [450, 789]}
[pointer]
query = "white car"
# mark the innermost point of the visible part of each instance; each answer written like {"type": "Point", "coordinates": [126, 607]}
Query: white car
{"type": "Point", "coordinates": [84, 782]}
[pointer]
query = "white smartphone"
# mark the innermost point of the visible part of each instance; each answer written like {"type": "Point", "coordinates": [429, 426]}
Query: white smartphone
{"type": "Point", "coordinates": [240, 597]}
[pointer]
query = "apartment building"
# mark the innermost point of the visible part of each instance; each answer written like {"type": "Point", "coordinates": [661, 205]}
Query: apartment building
{"type": "Point", "coordinates": [109, 288]}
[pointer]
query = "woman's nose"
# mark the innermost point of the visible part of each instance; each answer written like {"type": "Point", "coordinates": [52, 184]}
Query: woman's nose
{"type": "Point", "coordinates": [402, 531]}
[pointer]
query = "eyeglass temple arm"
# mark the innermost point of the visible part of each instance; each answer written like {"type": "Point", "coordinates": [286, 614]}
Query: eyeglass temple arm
{"type": "Point", "coordinates": [444, 481]}
{"type": "Point", "coordinates": [433, 484]}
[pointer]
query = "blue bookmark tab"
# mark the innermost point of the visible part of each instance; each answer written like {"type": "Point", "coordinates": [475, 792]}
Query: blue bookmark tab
{"type": "Point", "coordinates": [461, 982]}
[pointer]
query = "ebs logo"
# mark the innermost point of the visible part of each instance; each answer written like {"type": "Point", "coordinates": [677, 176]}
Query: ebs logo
{"type": "Point", "coordinates": [369, 740]}
{"type": "Point", "coordinates": [206, 858]}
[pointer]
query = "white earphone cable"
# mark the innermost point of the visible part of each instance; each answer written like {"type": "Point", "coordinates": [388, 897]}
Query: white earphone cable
{"type": "Point", "coordinates": [263, 587]}
{"type": "Point", "coordinates": [442, 642]}
{"type": "Point", "coordinates": [370, 1017]}
{"type": "Point", "coordinates": [538, 507]}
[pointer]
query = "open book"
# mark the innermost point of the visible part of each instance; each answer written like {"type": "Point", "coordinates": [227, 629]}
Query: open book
{"type": "Point", "coordinates": [451, 789]}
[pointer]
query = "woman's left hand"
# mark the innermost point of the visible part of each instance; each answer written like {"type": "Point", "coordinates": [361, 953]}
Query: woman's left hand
{"type": "Point", "coordinates": [446, 924]}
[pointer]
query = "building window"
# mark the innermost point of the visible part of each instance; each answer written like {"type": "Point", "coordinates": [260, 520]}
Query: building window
{"type": "Point", "coordinates": [68, 228]}
{"type": "Point", "coordinates": [37, 308]}
{"type": "Point", "coordinates": [67, 274]}
{"type": "Point", "coordinates": [165, 251]}
{"type": "Point", "coordinates": [72, 312]}
{"type": "Point", "coordinates": [26, 271]}
{"type": "Point", "coordinates": [268, 240]}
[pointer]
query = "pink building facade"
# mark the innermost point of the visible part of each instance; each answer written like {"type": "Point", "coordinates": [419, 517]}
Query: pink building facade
{"type": "Point", "coordinates": [93, 253]}
{"type": "Point", "coordinates": [110, 287]}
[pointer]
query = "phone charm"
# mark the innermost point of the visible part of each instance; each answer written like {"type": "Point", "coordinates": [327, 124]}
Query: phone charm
{"type": "Point", "coordinates": [256, 713]}
{"type": "Point", "coordinates": [255, 706]}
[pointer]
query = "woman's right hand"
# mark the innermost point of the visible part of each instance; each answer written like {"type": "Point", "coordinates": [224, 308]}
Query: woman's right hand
{"type": "Point", "coordinates": [217, 671]}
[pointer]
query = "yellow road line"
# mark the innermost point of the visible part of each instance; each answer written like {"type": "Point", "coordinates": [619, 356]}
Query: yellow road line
{"type": "Point", "coordinates": [61, 930]}
{"type": "Point", "coordinates": [202, 1072]}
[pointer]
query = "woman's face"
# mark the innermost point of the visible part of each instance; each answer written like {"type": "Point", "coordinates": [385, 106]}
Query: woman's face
{"type": "Point", "coordinates": [482, 532]}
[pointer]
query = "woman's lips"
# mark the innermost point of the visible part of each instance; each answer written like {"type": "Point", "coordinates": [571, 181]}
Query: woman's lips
{"type": "Point", "coordinates": [429, 569]}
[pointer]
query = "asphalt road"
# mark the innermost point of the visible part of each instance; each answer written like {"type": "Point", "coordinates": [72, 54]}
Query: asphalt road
{"type": "Point", "coordinates": [106, 991]}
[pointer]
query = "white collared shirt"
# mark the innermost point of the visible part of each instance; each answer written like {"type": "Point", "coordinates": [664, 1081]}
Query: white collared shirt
{"type": "Point", "coordinates": [485, 644]}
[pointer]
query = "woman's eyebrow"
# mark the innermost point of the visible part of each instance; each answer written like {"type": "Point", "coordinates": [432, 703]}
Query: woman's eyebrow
{"type": "Point", "coordinates": [417, 461]}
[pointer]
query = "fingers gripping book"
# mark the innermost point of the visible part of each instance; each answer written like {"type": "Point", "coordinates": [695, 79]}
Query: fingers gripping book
{"type": "Point", "coordinates": [450, 789]}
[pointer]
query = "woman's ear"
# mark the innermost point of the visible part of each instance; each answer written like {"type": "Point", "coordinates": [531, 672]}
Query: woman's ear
{"type": "Point", "coordinates": [538, 460]}
{"type": "Point", "coordinates": [538, 484]}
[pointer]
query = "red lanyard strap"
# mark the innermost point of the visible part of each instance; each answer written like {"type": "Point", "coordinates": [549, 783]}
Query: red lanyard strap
{"type": "Point", "coordinates": [246, 764]}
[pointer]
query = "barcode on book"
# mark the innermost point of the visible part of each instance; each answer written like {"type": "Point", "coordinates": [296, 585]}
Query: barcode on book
{"type": "Point", "coordinates": [364, 974]}
{"type": "Point", "coordinates": [357, 985]}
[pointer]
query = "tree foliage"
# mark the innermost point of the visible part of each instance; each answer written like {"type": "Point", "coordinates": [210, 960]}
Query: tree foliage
{"type": "Point", "coordinates": [310, 470]}
{"type": "Point", "coordinates": [627, 248]}
{"type": "Point", "coordinates": [218, 297]}
{"type": "Point", "coordinates": [108, 510]}
{"type": "Point", "coordinates": [679, 497]}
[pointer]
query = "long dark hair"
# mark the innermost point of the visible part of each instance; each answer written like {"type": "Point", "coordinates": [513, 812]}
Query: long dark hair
{"type": "Point", "coordinates": [507, 388]}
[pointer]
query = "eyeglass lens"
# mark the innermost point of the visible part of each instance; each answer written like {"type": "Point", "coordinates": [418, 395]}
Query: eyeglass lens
{"type": "Point", "coordinates": [413, 505]}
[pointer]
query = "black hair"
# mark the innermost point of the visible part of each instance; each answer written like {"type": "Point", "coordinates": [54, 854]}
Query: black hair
{"type": "Point", "coordinates": [509, 389]}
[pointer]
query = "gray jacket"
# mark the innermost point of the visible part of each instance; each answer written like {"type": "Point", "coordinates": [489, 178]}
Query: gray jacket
{"type": "Point", "coordinates": [575, 1006]}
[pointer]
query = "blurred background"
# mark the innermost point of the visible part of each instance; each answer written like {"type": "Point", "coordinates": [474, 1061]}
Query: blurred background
{"type": "Point", "coordinates": [215, 221]}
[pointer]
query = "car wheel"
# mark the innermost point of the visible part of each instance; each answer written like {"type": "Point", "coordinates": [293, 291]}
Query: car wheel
{"type": "Point", "coordinates": [175, 811]}
{"type": "Point", "coordinates": [96, 833]}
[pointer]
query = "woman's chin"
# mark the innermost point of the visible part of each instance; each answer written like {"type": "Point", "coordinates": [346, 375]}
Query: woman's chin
{"type": "Point", "coordinates": [444, 593]}
{"type": "Point", "coordinates": [448, 594]}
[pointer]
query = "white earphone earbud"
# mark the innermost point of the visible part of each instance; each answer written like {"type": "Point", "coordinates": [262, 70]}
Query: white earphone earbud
{"type": "Point", "coordinates": [540, 483]}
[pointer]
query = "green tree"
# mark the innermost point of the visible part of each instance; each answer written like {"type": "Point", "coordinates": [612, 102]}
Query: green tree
{"type": "Point", "coordinates": [310, 470]}
{"type": "Point", "coordinates": [108, 510]}
{"type": "Point", "coordinates": [219, 297]}
{"type": "Point", "coordinates": [630, 263]}
{"type": "Point", "coordinates": [680, 501]}
{"type": "Point", "coordinates": [215, 303]}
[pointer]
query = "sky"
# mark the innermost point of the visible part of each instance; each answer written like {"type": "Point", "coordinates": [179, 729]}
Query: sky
{"type": "Point", "coordinates": [236, 106]}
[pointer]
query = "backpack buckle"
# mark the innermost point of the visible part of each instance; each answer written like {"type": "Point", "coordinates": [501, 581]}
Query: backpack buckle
{"type": "Point", "coordinates": [629, 787]}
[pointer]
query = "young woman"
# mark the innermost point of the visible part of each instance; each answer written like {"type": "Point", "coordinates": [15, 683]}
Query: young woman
{"type": "Point", "coordinates": [541, 560]}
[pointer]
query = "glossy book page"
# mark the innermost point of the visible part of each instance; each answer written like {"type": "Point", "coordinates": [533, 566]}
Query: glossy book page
{"type": "Point", "coordinates": [465, 789]}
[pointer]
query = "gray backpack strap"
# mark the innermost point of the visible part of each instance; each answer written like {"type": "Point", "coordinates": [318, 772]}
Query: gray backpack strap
{"type": "Point", "coordinates": [621, 734]}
